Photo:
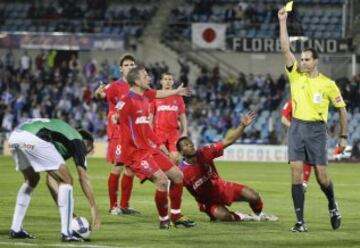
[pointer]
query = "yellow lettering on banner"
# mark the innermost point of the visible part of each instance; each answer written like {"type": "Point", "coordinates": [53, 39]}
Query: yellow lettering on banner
{"type": "Point", "coordinates": [289, 6]}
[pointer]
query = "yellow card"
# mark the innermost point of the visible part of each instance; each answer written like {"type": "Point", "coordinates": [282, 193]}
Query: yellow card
{"type": "Point", "coordinates": [289, 6]}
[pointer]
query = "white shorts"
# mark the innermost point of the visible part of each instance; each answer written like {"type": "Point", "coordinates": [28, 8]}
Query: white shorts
{"type": "Point", "coordinates": [29, 150]}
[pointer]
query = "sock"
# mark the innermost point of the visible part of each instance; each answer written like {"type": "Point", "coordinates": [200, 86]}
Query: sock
{"type": "Point", "coordinates": [22, 203]}
{"type": "Point", "coordinates": [66, 207]}
{"type": "Point", "coordinates": [329, 193]}
{"type": "Point", "coordinates": [126, 189]}
{"type": "Point", "coordinates": [297, 192]}
{"type": "Point", "coordinates": [307, 172]}
{"type": "Point", "coordinates": [176, 191]}
{"type": "Point", "coordinates": [161, 202]}
{"type": "Point", "coordinates": [113, 185]}
{"type": "Point", "coordinates": [256, 206]}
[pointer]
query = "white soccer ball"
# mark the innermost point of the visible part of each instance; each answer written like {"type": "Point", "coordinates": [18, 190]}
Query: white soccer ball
{"type": "Point", "coordinates": [81, 226]}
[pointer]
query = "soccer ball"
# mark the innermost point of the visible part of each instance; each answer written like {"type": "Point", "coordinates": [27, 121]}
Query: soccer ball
{"type": "Point", "coordinates": [81, 227]}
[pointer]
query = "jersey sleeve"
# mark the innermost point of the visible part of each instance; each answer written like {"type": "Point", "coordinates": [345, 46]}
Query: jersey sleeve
{"type": "Point", "coordinates": [292, 72]}
{"type": "Point", "coordinates": [123, 108]}
{"type": "Point", "coordinates": [151, 94]}
{"type": "Point", "coordinates": [107, 89]}
{"type": "Point", "coordinates": [182, 108]}
{"type": "Point", "coordinates": [79, 152]}
{"type": "Point", "coordinates": [212, 151]}
{"type": "Point", "coordinates": [335, 96]}
{"type": "Point", "coordinates": [112, 94]}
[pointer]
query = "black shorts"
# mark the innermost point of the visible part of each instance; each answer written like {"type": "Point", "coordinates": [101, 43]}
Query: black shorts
{"type": "Point", "coordinates": [307, 142]}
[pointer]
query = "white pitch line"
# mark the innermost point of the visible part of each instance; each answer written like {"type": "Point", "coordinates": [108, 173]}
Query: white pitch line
{"type": "Point", "coordinates": [18, 244]}
{"type": "Point", "coordinates": [65, 245]}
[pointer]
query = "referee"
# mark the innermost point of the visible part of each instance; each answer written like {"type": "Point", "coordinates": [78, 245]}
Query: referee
{"type": "Point", "coordinates": [311, 93]}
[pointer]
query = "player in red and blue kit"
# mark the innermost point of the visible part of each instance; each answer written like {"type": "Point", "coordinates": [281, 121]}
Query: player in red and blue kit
{"type": "Point", "coordinates": [165, 114]}
{"type": "Point", "coordinates": [212, 193]}
{"type": "Point", "coordinates": [113, 92]}
{"type": "Point", "coordinates": [286, 116]}
{"type": "Point", "coordinates": [142, 151]}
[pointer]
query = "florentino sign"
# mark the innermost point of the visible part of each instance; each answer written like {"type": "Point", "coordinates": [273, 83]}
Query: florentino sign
{"type": "Point", "coordinates": [273, 45]}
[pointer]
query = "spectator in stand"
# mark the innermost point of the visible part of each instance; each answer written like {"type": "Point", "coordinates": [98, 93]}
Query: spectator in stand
{"type": "Point", "coordinates": [25, 63]}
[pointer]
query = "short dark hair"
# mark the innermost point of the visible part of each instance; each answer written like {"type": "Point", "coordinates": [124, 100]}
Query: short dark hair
{"type": "Point", "coordinates": [166, 74]}
{"type": "Point", "coordinates": [134, 74]}
{"type": "Point", "coordinates": [126, 56]}
{"type": "Point", "coordinates": [314, 53]}
{"type": "Point", "coordinates": [86, 135]}
{"type": "Point", "coordinates": [178, 146]}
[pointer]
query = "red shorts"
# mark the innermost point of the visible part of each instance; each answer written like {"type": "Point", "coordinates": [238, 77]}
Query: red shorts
{"type": "Point", "coordinates": [169, 139]}
{"type": "Point", "coordinates": [113, 155]}
{"type": "Point", "coordinates": [223, 193]}
{"type": "Point", "coordinates": [146, 167]}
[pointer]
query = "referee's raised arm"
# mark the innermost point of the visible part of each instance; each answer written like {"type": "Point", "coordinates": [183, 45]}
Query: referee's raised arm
{"type": "Point", "coordinates": [284, 38]}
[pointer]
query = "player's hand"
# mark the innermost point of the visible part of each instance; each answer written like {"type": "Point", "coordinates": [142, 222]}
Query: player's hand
{"type": "Point", "coordinates": [247, 119]}
{"type": "Point", "coordinates": [95, 219]}
{"type": "Point", "coordinates": [282, 14]}
{"type": "Point", "coordinates": [183, 134]}
{"type": "Point", "coordinates": [99, 92]}
{"type": "Point", "coordinates": [183, 91]}
{"type": "Point", "coordinates": [115, 118]}
{"type": "Point", "coordinates": [163, 148]}
{"type": "Point", "coordinates": [342, 144]}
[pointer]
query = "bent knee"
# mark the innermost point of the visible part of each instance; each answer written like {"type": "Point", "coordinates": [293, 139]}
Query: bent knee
{"type": "Point", "coordinates": [33, 180]}
{"type": "Point", "coordinates": [162, 183]}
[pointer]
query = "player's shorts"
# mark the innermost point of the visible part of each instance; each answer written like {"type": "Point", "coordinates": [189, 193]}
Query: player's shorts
{"type": "Point", "coordinates": [28, 150]}
{"type": "Point", "coordinates": [113, 155]}
{"type": "Point", "coordinates": [224, 193]}
{"type": "Point", "coordinates": [169, 139]}
{"type": "Point", "coordinates": [146, 167]}
{"type": "Point", "coordinates": [307, 142]}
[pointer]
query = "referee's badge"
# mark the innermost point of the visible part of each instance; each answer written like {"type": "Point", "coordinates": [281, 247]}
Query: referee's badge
{"type": "Point", "coordinates": [317, 98]}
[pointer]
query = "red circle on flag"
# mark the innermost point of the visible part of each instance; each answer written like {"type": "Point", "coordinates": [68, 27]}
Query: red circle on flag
{"type": "Point", "coordinates": [209, 35]}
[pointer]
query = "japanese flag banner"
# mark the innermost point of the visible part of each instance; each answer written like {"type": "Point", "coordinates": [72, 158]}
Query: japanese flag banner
{"type": "Point", "coordinates": [208, 35]}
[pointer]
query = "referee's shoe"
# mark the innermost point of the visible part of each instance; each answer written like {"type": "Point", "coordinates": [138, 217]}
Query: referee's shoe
{"type": "Point", "coordinates": [335, 217]}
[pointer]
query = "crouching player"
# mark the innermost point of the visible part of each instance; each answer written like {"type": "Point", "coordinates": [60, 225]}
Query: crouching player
{"type": "Point", "coordinates": [211, 192]}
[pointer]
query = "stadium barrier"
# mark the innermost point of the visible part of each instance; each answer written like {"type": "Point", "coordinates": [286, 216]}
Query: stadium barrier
{"type": "Point", "coordinates": [248, 153]}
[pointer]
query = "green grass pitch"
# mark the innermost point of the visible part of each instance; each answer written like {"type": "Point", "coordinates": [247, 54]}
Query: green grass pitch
{"type": "Point", "coordinates": [270, 179]}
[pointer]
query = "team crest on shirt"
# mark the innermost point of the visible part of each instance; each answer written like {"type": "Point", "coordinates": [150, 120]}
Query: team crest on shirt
{"type": "Point", "coordinates": [119, 105]}
{"type": "Point", "coordinates": [317, 98]}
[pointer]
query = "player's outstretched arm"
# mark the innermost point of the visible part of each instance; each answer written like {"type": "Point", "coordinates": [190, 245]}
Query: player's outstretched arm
{"type": "Point", "coordinates": [180, 91]}
{"type": "Point", "coordinates": [244, 122]}
{"type": "Point", "coordinates": [88, 191]}
{"type": "Point", "coordinates": [343, 128]}
{"type": "Point", "coordinates": [284, 38]}
{"type": "Point", "coordinates": [183, 124]}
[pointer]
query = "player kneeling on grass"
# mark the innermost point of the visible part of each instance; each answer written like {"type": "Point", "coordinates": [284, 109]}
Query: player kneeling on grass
{"type": "Point", "coordinates": [42, 145]}
{"type": "Point", "coordinates": [211, 192]}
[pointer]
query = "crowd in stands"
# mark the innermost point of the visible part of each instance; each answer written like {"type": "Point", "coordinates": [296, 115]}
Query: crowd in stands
{"type": "Point", "coordinates": [257, 19]}
{"type": "Point", "coordinates": [90, 16]}
{"type": "Point", "coordinates": [37, 88]}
